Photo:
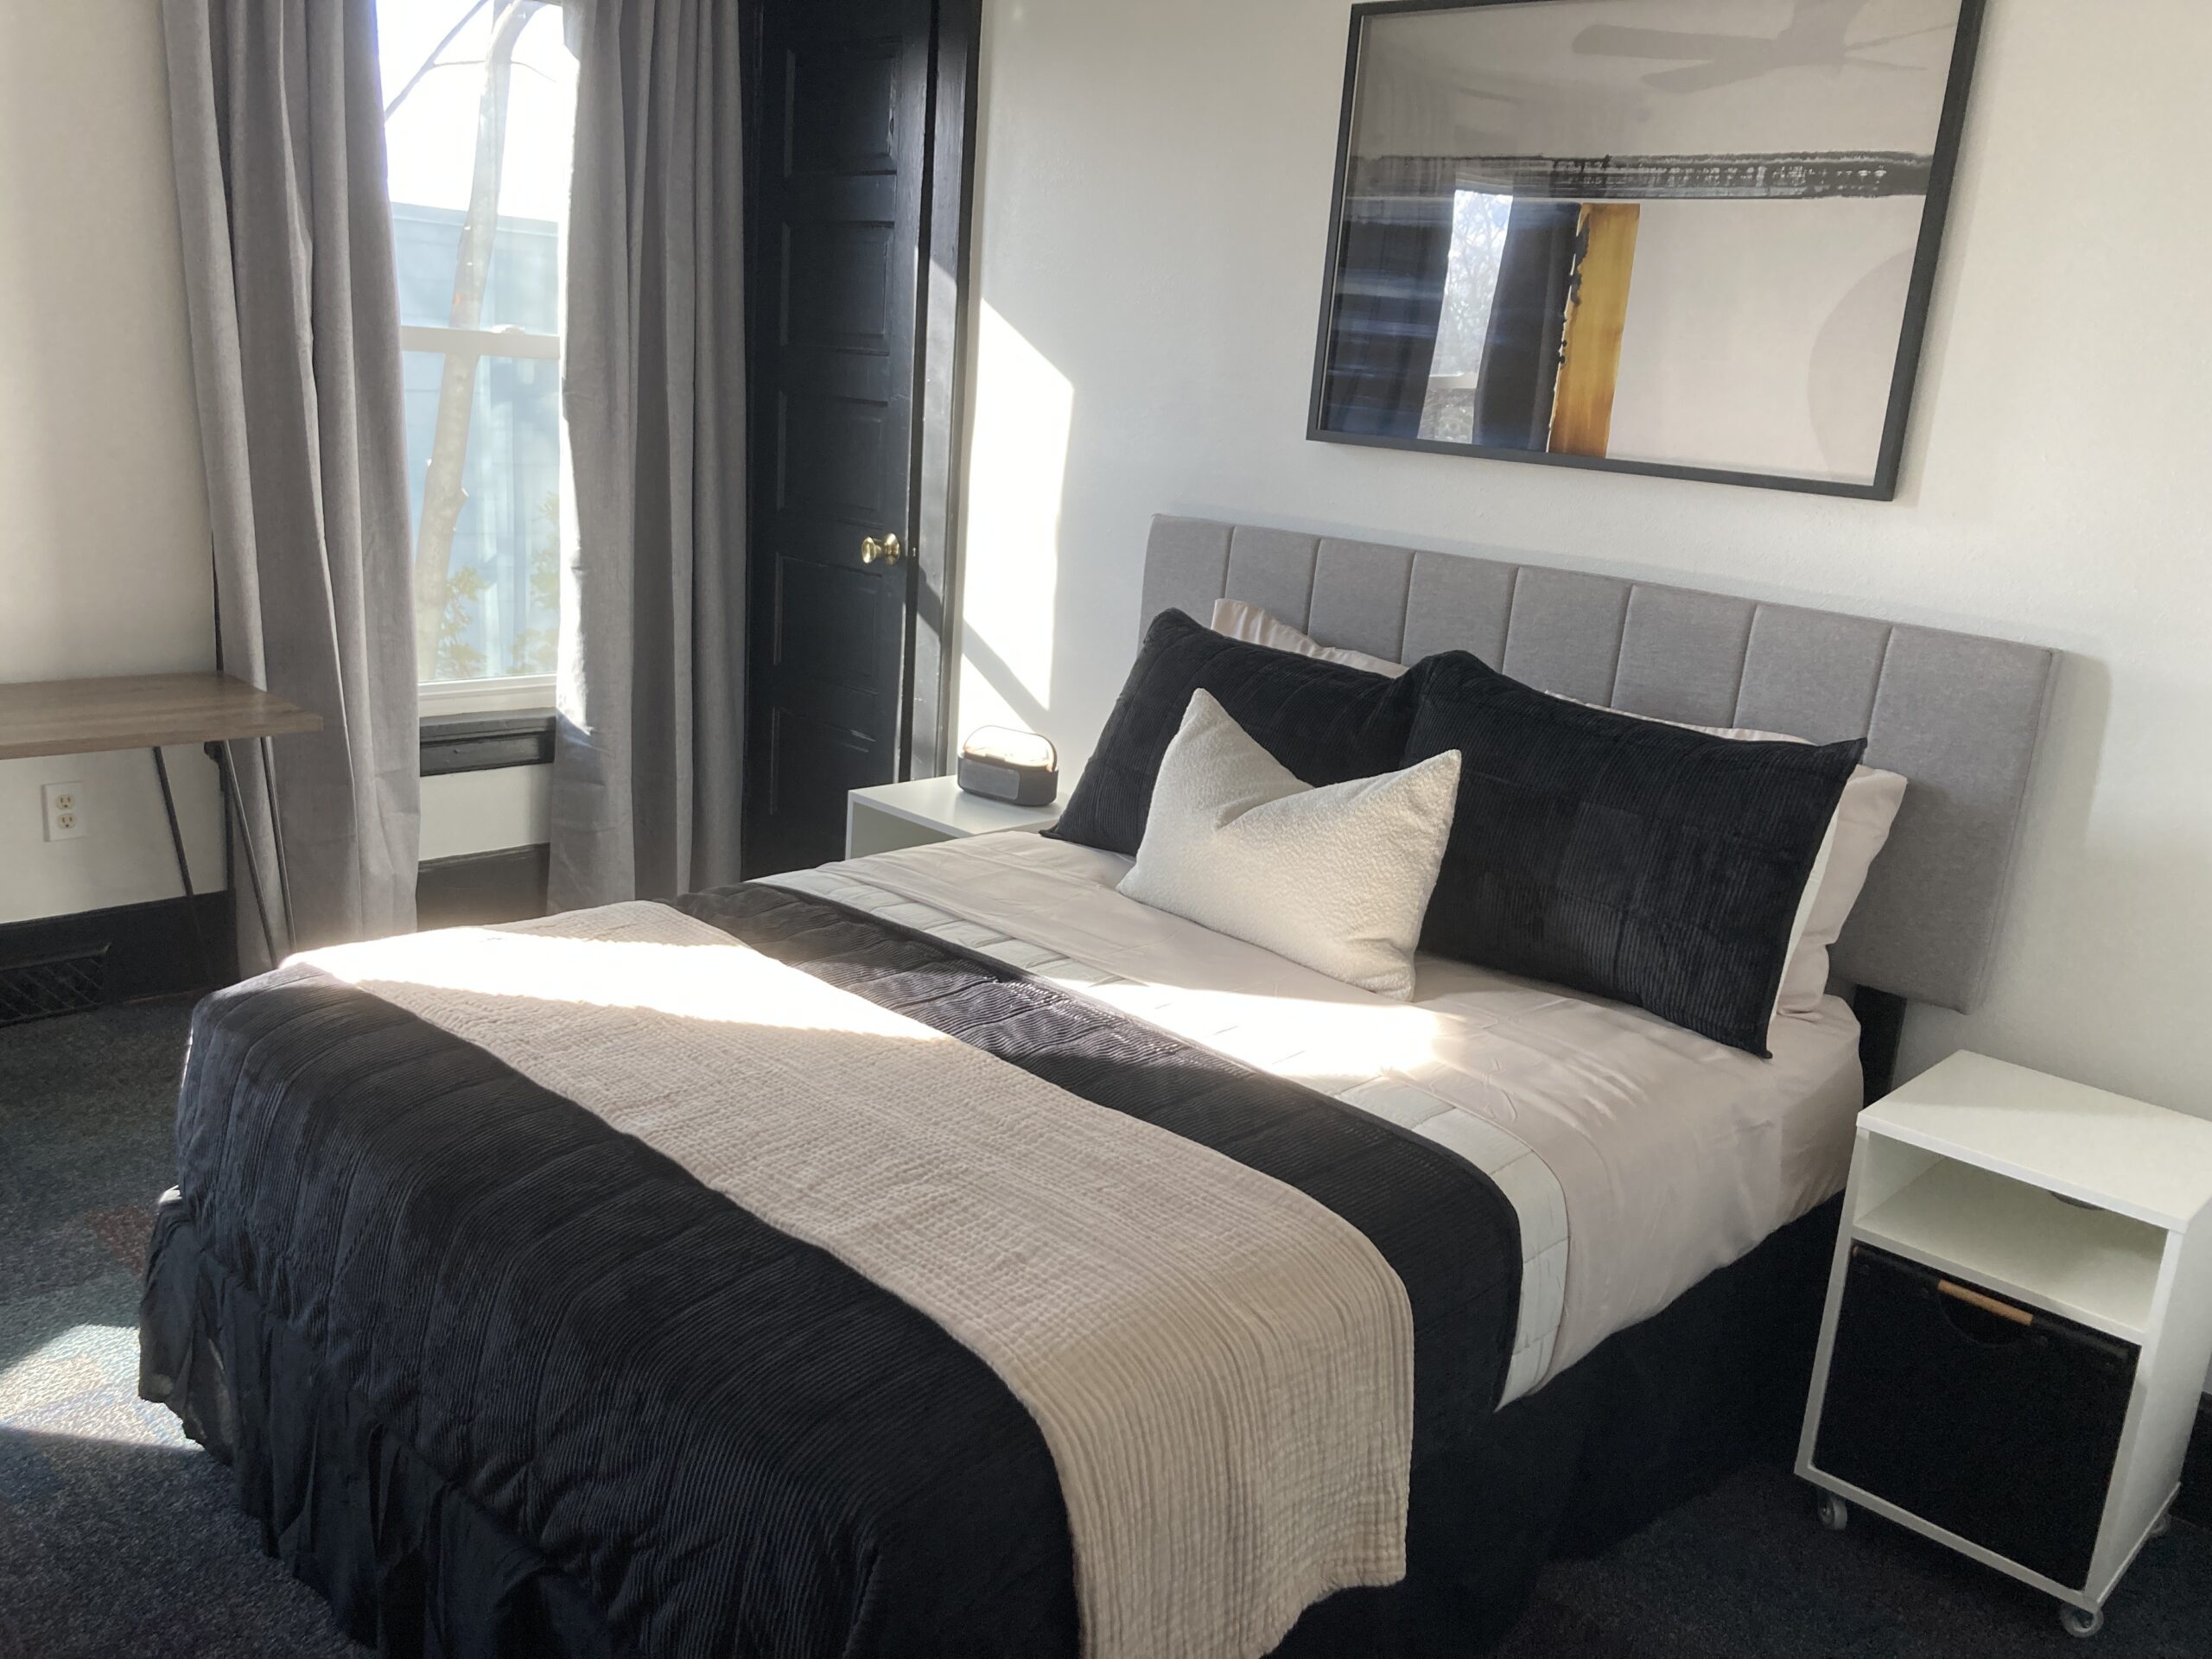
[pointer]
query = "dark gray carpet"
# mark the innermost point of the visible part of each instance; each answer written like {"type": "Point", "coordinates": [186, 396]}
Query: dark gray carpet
{"type": "Point", "coordinates": [118, 1537]}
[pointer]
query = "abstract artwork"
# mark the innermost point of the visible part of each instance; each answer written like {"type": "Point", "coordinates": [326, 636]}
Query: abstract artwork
{"type": "Point", "coordinates": [1687, 237]}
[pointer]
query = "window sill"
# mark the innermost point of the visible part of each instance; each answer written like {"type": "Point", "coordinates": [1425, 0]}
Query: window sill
{"type": "Point", "coordinates": [486, 742]}
{"type": "Point", "coordinates": [517, 694]}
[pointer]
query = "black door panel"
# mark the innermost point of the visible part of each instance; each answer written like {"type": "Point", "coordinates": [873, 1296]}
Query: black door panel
{"type": "Point", "coordinates": [836, 228]}
{"type": "Point", "coordinates": [833, 455]}
{"type": "Point", "coordinates": [841, 286]}
{"type": "Point", "coordinates": [845, 96]}
{"type": "Point", "coordinates": [802, 749]}
{"type": "Point", "coordinates": [816, 601]}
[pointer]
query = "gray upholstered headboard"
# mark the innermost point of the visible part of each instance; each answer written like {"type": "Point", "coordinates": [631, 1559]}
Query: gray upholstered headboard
{"type": "Point", "coordinates": [1959, 716]}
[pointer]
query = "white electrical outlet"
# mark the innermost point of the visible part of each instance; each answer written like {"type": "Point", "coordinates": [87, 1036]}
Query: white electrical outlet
{"type": "Point", "coordinates": [65, 811]}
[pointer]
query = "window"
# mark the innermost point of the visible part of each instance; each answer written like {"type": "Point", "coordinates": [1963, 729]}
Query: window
{"type": "Point", "coordinates": [480, 107]}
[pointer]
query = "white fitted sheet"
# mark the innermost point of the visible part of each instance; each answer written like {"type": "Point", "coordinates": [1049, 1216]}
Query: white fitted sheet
{"type": "Point", "coordinates": [1639, 1157]}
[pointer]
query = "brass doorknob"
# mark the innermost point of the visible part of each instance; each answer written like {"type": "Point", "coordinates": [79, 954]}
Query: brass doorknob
{"type": "Point", "coordinates": [887, 550]}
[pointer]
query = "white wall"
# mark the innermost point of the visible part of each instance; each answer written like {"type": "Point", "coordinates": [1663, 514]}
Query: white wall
{"type": "Point", "coordinates": [1153, 208]}
{"type": "Point", "coordinates": [466, 812]}
{"type": "Point", "coordinates": [104, 552]}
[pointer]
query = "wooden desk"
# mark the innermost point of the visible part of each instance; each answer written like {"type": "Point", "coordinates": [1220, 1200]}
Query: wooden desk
{"type": "Point", "coordinates": [147, 711]}
{"type": "Point", "coordinates": [140, 711]}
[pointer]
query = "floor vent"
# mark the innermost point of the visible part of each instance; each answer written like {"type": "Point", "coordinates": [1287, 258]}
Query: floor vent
{"type": "Point", "coordinates": [51, 985]}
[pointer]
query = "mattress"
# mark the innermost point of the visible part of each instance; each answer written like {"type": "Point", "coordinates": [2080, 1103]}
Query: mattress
{"type": "Point", "coordinates": [1638, 1157]}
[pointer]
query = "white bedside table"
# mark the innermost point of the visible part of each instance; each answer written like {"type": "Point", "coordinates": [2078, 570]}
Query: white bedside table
{"type": "Point", "coordinates": [923, 810]}
{"type": "Point", "coordinates": [2019, 1322]}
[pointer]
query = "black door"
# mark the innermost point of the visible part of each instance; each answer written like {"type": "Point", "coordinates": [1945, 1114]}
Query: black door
{"type": "Point", "coordinates": [836, 230]}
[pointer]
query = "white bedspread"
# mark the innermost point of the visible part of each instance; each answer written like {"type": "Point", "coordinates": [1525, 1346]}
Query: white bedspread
{"type": "Point", "coordinates": [1640, 1157]}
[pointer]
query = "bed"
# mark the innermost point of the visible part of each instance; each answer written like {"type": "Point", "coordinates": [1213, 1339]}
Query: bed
{"type": "Point", "coordinates": [467, 1275]}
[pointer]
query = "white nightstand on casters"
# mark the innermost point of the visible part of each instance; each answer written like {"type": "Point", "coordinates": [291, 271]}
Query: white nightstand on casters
{"type": "Point", "coordinates": [2019, 1322]}
{"type": "Point", "coordinates": [924, 810]}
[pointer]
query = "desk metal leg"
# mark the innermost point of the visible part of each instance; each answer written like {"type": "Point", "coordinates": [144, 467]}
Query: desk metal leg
{"type": "Point", "coordinates": [220, 753]}
{"type": "Point", "coordinates": [183, 868]}
{"type": "Point", "coordinates": [268, 747]}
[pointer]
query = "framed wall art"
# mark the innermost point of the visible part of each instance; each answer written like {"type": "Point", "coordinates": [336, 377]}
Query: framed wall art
{"type": "Point", "coordinates": [1694, 238]}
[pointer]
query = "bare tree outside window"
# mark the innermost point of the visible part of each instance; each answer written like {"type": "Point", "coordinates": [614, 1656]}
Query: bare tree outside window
{"type": "Point", "coordinates": [477, 129]}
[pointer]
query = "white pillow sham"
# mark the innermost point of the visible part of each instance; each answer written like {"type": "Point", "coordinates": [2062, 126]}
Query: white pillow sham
{"type": "Point", "coordinates": [1856, 835]}
{"type": "Point", "coordinates": [1248, 622]}
{"type": "Point", "coordinates": [1859, 831]}
{"type": "Point", "coordinates": [1336, 879]}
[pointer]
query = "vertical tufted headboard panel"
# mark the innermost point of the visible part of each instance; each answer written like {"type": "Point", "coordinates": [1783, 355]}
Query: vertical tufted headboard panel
{"type": "Point", "coordinates": [1958, 716]}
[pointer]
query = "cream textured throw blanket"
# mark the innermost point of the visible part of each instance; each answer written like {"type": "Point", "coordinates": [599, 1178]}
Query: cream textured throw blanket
{"type": "Point", "coordinates": [1221, 1367]}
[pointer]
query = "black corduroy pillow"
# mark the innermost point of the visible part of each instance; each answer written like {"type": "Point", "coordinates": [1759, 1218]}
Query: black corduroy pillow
{"type": "Point", "coordinates": [1325, 722]}
{"type": "Point", "coordinates": [1640, 861]}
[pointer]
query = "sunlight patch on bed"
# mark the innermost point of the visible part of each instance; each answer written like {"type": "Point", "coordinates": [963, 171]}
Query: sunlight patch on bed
{"type": "Point", "coordinates": [1325, 1045]}
{"type": "Point", "coordinates": [713, 978]}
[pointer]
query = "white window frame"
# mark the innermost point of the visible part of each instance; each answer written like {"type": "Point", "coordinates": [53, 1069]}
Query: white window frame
{"type": "Point", "coordinates": [485, 342]}
{"type": "Point", "coordinates": [517, 692]}
{"type": "Point", "coordinates": [513, 693]}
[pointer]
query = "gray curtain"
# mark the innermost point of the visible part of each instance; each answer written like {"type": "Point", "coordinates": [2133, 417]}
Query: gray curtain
{"type": "Point", "coordinates": [277, 130]}
{"type": "Point", "coordinates": [649, 746]}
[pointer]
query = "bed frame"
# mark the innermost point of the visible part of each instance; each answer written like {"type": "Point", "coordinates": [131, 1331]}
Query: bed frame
{"type": "Point", "coordinates": [1959, 715]}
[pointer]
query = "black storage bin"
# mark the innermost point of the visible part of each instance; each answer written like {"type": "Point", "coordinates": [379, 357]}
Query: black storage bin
{"type": "Point", "coordinates": [2003, 1433]}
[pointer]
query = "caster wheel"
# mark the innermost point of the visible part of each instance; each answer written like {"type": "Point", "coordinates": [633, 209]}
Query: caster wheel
{"type": "Point", "coordinates": [2081, 1621]}
{"type": "Point", "coordinates": [1835, 1514]}
{"type": "Point", "coordinates": [2164, 1525]}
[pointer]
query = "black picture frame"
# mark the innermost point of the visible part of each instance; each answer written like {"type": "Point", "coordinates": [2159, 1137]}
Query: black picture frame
{"type": "Point", "coordinates": [1911, 335]}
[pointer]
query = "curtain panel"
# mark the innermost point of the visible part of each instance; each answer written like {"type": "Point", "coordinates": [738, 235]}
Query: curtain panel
{"type": "Point", "coordinates": [649, 742]}
{"type": "Point", "coordinates": [278, 134]}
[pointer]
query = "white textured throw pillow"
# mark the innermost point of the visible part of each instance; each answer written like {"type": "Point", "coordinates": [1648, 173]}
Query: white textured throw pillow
{"type": "Point", "coordinates": [1242, 620]}
{"type": "Point", "coordinates": [1336, 879]}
